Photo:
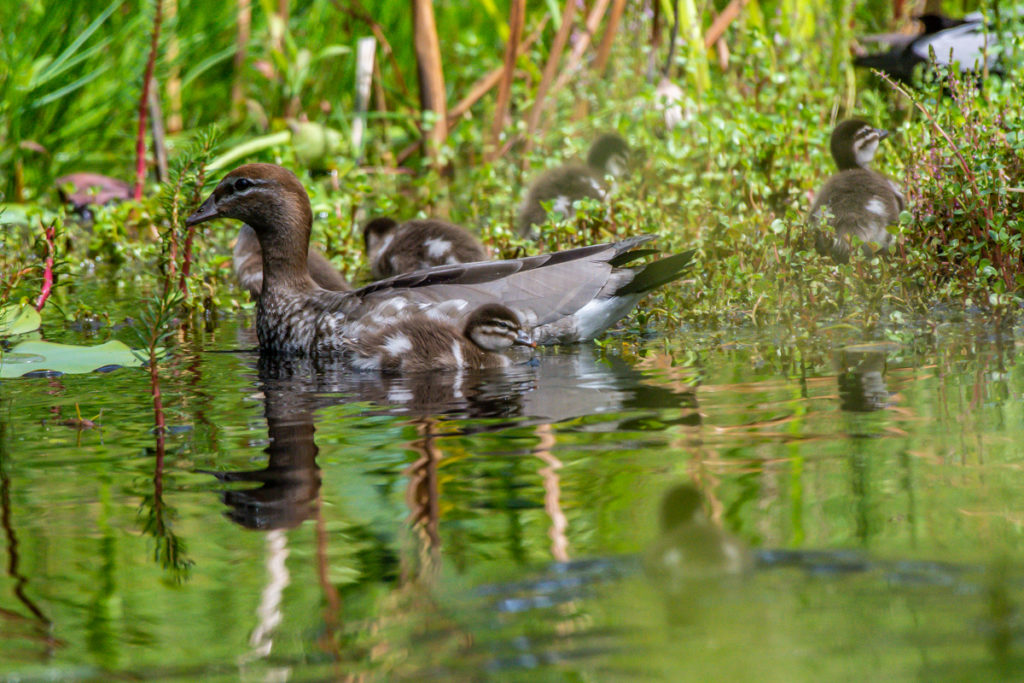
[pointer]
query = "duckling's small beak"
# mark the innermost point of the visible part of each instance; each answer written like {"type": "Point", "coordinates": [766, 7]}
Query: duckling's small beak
{"type": "Point", "coordinates": [882, 133]}
{"type": "Point", "coordinates": [523, 339]}
{"type": "Point", "coordinates": [206, 211]}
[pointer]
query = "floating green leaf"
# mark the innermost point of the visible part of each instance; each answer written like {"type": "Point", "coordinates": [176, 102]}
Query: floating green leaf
{"type": "Point", "coordinates": [18, 319]}
{"type": "Point", "coordinates": [41, 357]}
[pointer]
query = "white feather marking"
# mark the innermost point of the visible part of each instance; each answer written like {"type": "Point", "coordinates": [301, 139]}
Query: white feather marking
{"type": "Point", "coordinates": [384, 243]}
{"type": "Point", "coordinates": [397, 344]}
{"type": "Point", "coordinates": [875, 206]}
{"type": "Point", "coordinates": [562, 205]}
{"type": "Point", "coordinates": [616, 166]}
{"type": "Point", "coordinates": [446, 310]}
{"type": "Point", "coordinates": [457, 353]}
{"type": "Point", "coordinates": [459, 360]}
{"type": "Point", "coordinates": [437, 247]}
{"type": "Point", "coordinates": [864, 150]}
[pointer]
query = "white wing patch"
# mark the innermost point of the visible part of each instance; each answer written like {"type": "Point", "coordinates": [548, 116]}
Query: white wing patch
{"type": "Point", "coordinates": [562, 205]}
{"type": "Point", "coordinates": [446, 310]}
{"type": "Point", "coordinates": [397, 344]}
{"type": "Point", "coordinates": [437, 247]}
{"type": "Point", "coordinates": [875, 206]}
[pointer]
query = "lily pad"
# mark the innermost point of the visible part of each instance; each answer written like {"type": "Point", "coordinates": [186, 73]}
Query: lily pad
{"type": "Point", "coordinates": [40, 358]}
{"type": "Point", "coordinates": [18, 319]}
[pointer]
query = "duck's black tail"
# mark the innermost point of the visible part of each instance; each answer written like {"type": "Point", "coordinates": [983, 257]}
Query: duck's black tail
{"type": "Point", "coordinates": [658, 273]}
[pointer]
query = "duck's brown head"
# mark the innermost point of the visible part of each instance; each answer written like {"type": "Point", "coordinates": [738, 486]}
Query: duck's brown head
{"type": "Point", "coordinates": [273, 202]}
{"type": "Point", "coordinates": [854, 142]}
{"type": "Point", "coordinates": [266, 196]}
{"type": "Point", "coordinates": [494, 327]}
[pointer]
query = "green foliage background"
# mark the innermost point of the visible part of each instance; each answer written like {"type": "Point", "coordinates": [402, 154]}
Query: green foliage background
{"type": "Point", "coordinates": [735, 179]}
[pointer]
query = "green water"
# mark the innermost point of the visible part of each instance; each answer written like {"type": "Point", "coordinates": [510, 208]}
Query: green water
{"type": "Point", "coordinates": [307, 524]}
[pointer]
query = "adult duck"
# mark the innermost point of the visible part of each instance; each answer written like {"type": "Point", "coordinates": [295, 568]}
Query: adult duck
{"type": "Point", "coordinates": [567, 296]}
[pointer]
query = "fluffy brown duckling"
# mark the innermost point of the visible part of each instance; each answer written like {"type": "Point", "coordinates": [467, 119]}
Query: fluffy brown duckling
{"type": "Point", "coordinates": [394, 248]}
{"type": "Point", "coordinates": [562, 186]}
{"type": "Point", "coordinates": [563, 297]}
{"type": "Point", "coordinates": [422, 343]}
{"type": "Point", "coordinates": [248, 263]}
{"type": "Point", "coordinates": [856, 201]}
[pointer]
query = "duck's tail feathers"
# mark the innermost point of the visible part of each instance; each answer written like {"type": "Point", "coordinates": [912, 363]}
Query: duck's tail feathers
{"type": "Point", "coordinates": [658, 273]}
{"type": "Point", "coordinates": [630, 256]}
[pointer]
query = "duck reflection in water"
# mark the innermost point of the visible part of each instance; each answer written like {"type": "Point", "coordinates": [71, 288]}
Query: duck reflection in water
{"type": "Point", "coordinates": [862, 387]}
{"type": "Point", "coordinates": [559, 384]}
{"type": "Point", "coordinates": [290, 483]}
{"type": "Point", "coordinates": [690, 546]}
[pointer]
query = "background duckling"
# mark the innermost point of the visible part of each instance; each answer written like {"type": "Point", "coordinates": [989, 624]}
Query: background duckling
{"type": "Point", "coordinates": [563, 185]}
{"type": "Point", "coordinates": [248, 263]}
{"type": "Point", "coordinates": [394, 249]}
{"type": "Point", "coordinates": [423, 342]}
{"type": "Point", "coordinates": [690, 546]}
{"type": "Point", "coordinates": [856, 201]}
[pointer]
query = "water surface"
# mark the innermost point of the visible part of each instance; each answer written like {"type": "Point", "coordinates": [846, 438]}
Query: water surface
{"type": "Point", "coordinates": [304, 523]}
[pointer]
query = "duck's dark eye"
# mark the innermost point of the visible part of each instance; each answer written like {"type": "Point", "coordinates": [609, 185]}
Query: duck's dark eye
{"type": "Point", "coordinates": [242, 184]}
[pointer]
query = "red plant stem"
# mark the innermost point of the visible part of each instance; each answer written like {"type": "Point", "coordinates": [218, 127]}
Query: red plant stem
{"type": "Point", "coordinates": [147, 79]}
{"type": "Point", "coordinates": [44, 294]}
{"type": "Point", "coordinates": [186, 265]}
{"type": "Point", "coordinates": [158, 414]}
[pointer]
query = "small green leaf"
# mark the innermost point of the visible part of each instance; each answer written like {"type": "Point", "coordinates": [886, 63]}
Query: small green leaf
{"type": "Point", "coordinates": [18, 319]}
{"type": "Point", "coordinates": [41, 356]}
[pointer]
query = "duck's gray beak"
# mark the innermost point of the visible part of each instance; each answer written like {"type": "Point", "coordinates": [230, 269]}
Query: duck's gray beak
{"type": "Point", "coordinates": [523, 339]}
{"type": "Point", "coordinates": [882, 133]}
{"type": "Point", "coordinates": [206, 211]}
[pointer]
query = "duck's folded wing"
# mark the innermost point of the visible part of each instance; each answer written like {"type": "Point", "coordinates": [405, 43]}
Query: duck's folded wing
{"type": "Point", "coordinates": [544, 288]}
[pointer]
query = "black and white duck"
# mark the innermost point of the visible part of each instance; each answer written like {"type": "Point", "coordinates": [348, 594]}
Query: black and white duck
{"type": "Point", "coordinates": [563, 185]}
{"type": "Point", "coordinates": [394, 248]}
{"type": "Point", "coordinates": [563, 297]}
{"type": "Point", "coordinates": [856, 201]}
{"type": "Point", "coordinates": [965, 42]}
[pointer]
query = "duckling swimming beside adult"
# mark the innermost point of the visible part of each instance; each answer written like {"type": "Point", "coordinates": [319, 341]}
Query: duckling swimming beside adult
{"type": "Point", "coordinates": [856, 201]}
{"type": "Point", "coordinates": [563, 297]}
{"type": "Point", "coordinates": [423, 343]}
{"type": "Point", "coordinates": [562, 186]}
